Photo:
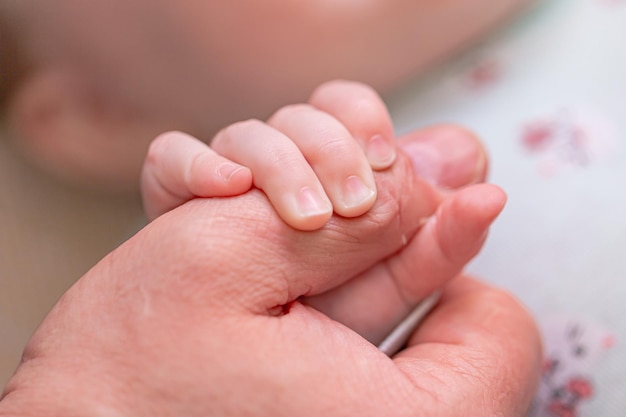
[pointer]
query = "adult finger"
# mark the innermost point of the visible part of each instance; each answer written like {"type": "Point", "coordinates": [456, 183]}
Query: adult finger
{"type": "Point", "coordinates": [478, 343]}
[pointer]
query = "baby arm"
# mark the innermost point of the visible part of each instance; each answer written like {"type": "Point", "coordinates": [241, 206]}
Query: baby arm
{"type": "Point", "coordinates": [310, 159]}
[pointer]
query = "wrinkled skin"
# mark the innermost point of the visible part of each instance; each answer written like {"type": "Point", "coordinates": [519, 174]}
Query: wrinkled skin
{"type": "Point", "coordinates": [219, 308]}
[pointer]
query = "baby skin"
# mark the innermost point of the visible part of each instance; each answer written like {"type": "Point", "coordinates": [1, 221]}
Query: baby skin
{"type": "Point", "coordinates": [310, 159]}
{"type": "Point", "coordinates": [317, 158]}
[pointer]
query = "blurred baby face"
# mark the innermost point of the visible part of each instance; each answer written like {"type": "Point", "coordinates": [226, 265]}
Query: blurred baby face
{"type": "Point", "coordinates": [136, 51]}
{"type": "Point", "coordinates": [232, 59]}
{"type": "Point", "coordinates": [198, 65]}
{"type": "Point", "coordinates": [192, 60]}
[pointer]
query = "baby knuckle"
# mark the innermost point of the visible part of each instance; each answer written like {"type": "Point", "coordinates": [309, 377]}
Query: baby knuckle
{"type": "Point", "coordinates": [160, 146]}
{"type": "Point", "coordinates": [287, 112]}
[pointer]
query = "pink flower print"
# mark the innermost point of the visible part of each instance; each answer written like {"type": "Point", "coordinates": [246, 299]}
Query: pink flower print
{"type": "Point", "coordinates": [484, 74]}
{"type": "Point", "coordinates": [580, 388]}
{"type": "Point", "coordinates": [559, 409]}
{"type": "Point", "coordinates": [572, 137]}
{"type": "Point", "coordinates": [561, 137]}
{"type": "Point", "coordinates": [573, 348]}
{"type": "Point", "coordinates": [537, 136]}
{"type": "Point", "coordinates": [608, 342]}
{"type": "Point", "coordinates": [549, 366]}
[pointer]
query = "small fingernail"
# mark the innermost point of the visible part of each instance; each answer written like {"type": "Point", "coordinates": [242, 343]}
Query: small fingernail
{"type": "Point", "coordinates": [310, 203]}
{"type": "Point", "coordinates": [227, 170]}
{"type": "Point", "coordinates": [380, 152]}
{"type": "Point", "coordinates": [355, 192]}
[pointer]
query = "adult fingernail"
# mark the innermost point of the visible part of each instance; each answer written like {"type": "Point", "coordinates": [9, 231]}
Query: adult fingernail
{"type": "Point", "coordinates": [380, 152]}
{"type": "Point", "coordinates": [449, 158]}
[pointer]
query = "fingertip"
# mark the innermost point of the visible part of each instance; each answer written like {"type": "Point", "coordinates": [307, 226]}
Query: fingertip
{"type": "Point", "coordinates": [463, 220]}
{"type": "Point", "coordinates": [446, 155]}
{"type": "Point", "coordinates": [312, 206]}
{"type": "Point", "coordinates": [485, 200]}
{"type": "Point", "coordinates": [227, 171]}
{"type": "Point", "coordinates": [309, 209]}
{"type": "Point", "coordinates": [237, 178]}
{"type": "Point", "coordinates": [357, 196]}
{"type": "Point", "coordinates": [380, 152]}
{"type": "Point", "coordinates": [309, 223]}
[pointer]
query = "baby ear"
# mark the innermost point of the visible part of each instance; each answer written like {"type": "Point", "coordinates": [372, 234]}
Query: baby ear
{"type": "Point", "coordinates": [60, 124]}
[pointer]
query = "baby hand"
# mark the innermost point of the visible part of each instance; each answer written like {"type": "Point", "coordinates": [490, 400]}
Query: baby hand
{"type": "Point", "coordinates": [309, 159]}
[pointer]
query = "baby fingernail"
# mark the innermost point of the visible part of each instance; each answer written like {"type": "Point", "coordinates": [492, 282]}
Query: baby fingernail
{"type": "Point", "coordinates": [380, 152]}
{"type": "Point", "coordinates": [310, 203]}
{"type": "Point", "coordinates": [226, 171]}
{"type": "Point", "coordinates": [355, 192]}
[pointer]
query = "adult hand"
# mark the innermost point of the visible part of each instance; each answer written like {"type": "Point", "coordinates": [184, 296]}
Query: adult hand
{"type": "Point", "coordinates": [219, 308]}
